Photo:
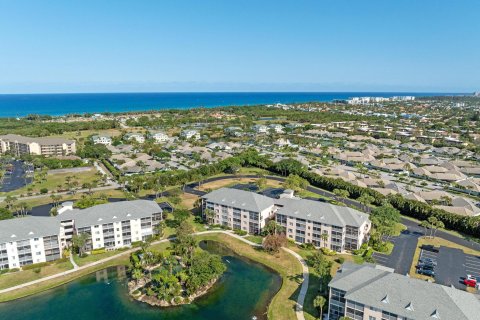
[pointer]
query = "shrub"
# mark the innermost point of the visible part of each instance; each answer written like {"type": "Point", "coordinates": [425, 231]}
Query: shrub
{"type": "Point", "coordinates": [308, 246]}
{"type": "Point", "coordinates": [340, 260]}
{"type": "Point", "coordinates": [37, 270]}
{"type": "Point", "coordinates": [44, 191]}
{"type": "Point", "coordinates": [240, 232]}
{"type": "Point", "coordinates": [36, 265]}
{"type": "Point", "coordinates": [98, 251]}
{"type": "Point", "coordinates": [328, 252]}
{"type": "Point", "coordinates": [136, 244]}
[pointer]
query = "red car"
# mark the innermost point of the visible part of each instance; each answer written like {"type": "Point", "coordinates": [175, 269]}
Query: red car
{"type": "Point", "coordinates": [470, 281]}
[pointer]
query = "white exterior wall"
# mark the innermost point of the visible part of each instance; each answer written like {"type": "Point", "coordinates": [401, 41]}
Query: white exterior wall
{"type": "Point", "coordinates": [38, 250]}
{"type": "Point", "coordinates": [97, 237]}
{"type": "Point", "coordinates": [117, 230]}
{"type": "Point", "coordinates": [136, 230]}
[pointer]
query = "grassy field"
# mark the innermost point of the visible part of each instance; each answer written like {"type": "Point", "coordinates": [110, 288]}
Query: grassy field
{"type": "Point", "coordinates": [255, 239]}
{"type": "Point", "coordinates": [94, 257]}
{"type": "Point", "coordinates": [13, 279]}
{"type": "Point", "coordinates": [53, 181]}
{"type": "Point", "coordinates": [225, 183]}
{"type": "Point", "coordinates": [86, 133]}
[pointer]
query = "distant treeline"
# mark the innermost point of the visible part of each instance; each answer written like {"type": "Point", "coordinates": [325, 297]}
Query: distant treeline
{"type": "Point", "coordinates": [38, 128]}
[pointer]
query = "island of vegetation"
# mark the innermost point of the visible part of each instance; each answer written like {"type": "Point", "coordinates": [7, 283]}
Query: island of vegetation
{"type": "Point", "coordinates": [176, 276]}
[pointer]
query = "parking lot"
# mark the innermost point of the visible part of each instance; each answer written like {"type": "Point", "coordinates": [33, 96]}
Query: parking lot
{"type": "Point", "coordinates": [453, 265]}
{"type": "Point", "coordinates": [401, 257]}
{"type": "Point", "coordinates": [14, 178]}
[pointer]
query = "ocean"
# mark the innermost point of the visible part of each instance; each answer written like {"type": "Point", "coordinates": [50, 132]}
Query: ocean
{"type": "Point", "coordinates": [18, 105]}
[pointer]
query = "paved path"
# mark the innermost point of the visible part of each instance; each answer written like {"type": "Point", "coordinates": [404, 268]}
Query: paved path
{"type": "Point", "coordinates": [304, 288]}
{"type": "Point", "coordinates": [74, 264]}
{"type": "Point", "coordinates": [300, 299]}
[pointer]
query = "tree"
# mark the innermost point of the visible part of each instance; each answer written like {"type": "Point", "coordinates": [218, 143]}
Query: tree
{"type": "Point", "coordinates": [79, 241]}
{"type": "Point", "coordinates": [366, 199]}
{"type": "Point", "coordinates": [181, 215]}
{"type": "Point", "coordinates": [10, 200]}
{"type": "Point", "coordinates": [261, 183]}
{"type": "Point", "coordinates": [159, 229]}
{"type": "Point", "coordinates": [295, 183]}
{"type": "Point", "coordinates": [273, 242]}
{"type": "Point", "coordinates": [5, 214]}
{"type": "Point", "coordinates": [342, 193]}
{"type": "Point", "coordinates": [137, 274]}
{"type": "Point", "coordinates": [209, 215]}
{"type": "Point", "coordinates": [272, 227]}
{"type": "Point", "coordinates": [319, 302]}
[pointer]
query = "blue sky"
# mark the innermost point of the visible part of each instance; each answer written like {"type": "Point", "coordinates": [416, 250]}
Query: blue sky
{"type": "Point", "coordinates": [243, 45]}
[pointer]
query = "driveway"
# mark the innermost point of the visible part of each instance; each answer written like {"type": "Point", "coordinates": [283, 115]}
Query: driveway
{"type": "Point", "coordinates": [402, 254]}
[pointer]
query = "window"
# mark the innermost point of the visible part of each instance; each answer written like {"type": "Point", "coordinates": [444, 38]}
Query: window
{"type": "Point", "coordinates": [388, 316]}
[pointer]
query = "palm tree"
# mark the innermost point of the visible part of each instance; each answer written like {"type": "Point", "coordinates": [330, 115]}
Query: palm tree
{"type": "Point", "coordinates": [324, 238]}
{"type": "Point", "coordinates": [10, 200]}
{"type": "Point", "coordinates": [209, 214]}
{"type": "Point", "coordinates": [137, 274]}
{"type": "Point", "coordinates": [319, 303]}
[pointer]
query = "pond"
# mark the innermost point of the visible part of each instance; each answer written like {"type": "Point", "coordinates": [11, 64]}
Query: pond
{"type": "Point", "coordinates": [244, 291]}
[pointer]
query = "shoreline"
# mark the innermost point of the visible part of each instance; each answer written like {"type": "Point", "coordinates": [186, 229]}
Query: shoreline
{"type": "Point", "coordinates": [64, 104]}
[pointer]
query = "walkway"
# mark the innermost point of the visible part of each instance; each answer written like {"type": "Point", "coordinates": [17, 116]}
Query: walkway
{"type": "Point", "coordinates": [74, 264]}
{"type": "Point", "coordinates": [300, 299]}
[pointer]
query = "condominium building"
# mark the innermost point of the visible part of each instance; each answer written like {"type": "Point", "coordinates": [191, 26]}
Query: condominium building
{"type": "Point", "coordinates": [18, 145]}
{"type": "Point", "coordinates": [322, 224]}
{"type": "Point", "coordinates": [111, 226]}
{"type": "Point", "coordinates": [239, 209]}
{"type": "Point", "coordinates": [28, 240]}
{"type": "Point", "coordinates": [370, 292]}
{"type": "Point", "coordinates": [305, 221]}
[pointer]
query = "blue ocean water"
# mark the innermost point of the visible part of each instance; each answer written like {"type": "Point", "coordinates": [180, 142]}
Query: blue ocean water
{"type": "Point", "coordinates": [18, 105]}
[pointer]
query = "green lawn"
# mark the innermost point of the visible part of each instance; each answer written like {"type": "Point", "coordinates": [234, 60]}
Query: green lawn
{"type": "Point", "coordinates": [255, 239]}
{"type": "Point", "coordinates": [13, 279]}
{"type": "Point", "coordinates": [95, 257]}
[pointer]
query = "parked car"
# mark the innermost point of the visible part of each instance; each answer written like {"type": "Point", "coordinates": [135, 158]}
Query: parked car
{"type": "Point", "coordinates": [425, 266]}
{"type": "Point", "coordinates": [426, 272]}
{"type": "Point", "coordinates": [428, 261]}
{"type": "Point", "coordinates": [470, 281]}
{"type": "Point", "coordinates": [430, 248]}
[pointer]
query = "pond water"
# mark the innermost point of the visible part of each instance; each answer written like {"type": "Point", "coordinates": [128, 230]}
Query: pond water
{"type": "Point", "coordinates": [244, 291]}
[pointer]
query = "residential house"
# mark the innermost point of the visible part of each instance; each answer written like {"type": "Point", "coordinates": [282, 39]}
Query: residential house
{"type": "Point", "coordinates": [102, 139]}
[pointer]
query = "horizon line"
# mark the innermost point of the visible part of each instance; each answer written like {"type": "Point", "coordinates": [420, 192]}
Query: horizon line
{"type": "Point", "coordinates": [176, 92]}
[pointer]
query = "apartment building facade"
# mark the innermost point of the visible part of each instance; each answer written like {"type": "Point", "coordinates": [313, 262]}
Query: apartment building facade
{"type": "Point", "coordinates": [305, 221]}
{"type": "Point", "coordinates": [322, 224]}
{"type": "Point", "coordinates": [18, 145]}
{"type": "Point", "coordinates": [112, 225]}
{"type": "Point", "coordinates": [238, 209]}
{"type": "Point", "coordinates": [28, 240]}
{"type": "Point", "coordinates": [372, 292]}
